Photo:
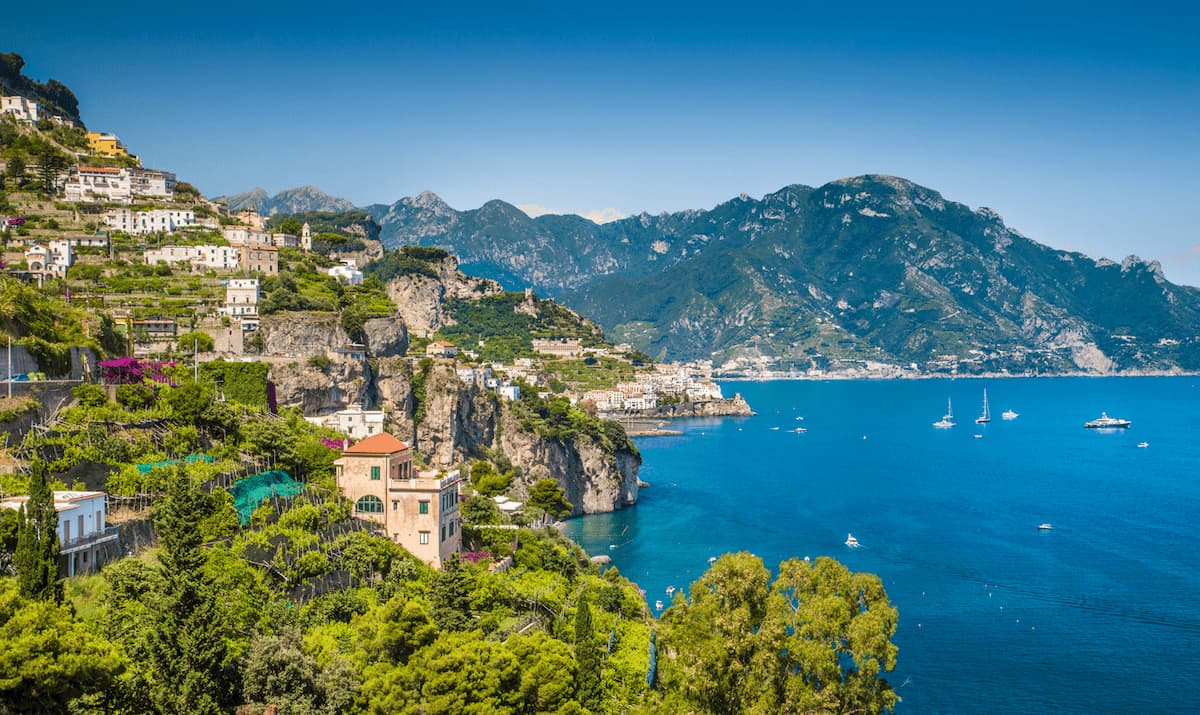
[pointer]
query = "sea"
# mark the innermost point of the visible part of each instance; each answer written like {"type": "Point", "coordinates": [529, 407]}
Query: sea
{"type": "Point", "coordinates": [1099, 614]}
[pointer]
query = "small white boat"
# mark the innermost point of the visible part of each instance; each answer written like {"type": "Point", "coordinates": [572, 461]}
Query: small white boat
{"type": "Point", "coordinates": [947, 420]}
{"type": "Point", "coordinates": [658, 605]}
{"type": "Point", "coordinates": [670, 590]}
{"type": "Point", "coordinates": [986, 415]}
{"type": "Point", "coordinates": [978, 436]}
{"type": "Point", "coordinates": [852, 542]}
{"type": "Point", "coordinates": [774, 429]}
{"type": "Point", "coordinates": [611, 547]}
{"type": "Point", "coordinates": [1143, 445]}
{"type": "Point", "coordinates": [800, 430]}
{"type": "Point", "coordinates": [1009, 415]}
{"type": "Point", "coordinates": [1045, 527]}
{"type": "Point", "coordinates": [712, 559]}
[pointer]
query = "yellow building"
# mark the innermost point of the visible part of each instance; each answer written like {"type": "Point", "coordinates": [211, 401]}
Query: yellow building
{"type": "Point", "coordinates": [105, 144]}
{"type": "Point", "coordinates": [419, 511]}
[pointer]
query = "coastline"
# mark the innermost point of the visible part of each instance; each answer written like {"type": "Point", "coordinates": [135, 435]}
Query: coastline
{"type": "Point", "coordinates": [773, 377]}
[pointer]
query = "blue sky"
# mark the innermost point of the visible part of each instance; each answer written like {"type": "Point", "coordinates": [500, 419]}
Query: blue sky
{"type": "Point", "coordinates": [1078, 123]}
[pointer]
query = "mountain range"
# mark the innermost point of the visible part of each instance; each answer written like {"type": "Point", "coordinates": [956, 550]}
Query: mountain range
{"type": "Point", "coordinates": [865, 269]}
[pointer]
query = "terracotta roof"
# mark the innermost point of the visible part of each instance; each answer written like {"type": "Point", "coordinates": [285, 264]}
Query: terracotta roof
{"type": "Point", "coordinates": [382, 443]}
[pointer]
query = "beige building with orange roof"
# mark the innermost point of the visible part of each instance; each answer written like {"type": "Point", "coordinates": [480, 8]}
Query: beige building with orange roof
{"type": "Point", "coordinates": [419, 511]}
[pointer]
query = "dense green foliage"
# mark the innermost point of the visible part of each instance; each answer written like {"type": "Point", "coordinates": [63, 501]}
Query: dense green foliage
{"type": "Point", "coordinates": [496, 327]}
{"type": "Point", "coordinates": [556, 418]}
{"type": "Point", "coordinates": [244, 382]}
{"type": "Point", "coordinates": [406, 261]}
{"type": "Point", "coordinates": [816, 640]}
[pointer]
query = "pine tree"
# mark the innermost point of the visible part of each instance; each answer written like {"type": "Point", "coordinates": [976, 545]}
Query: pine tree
{"type": "Point", "coordinates": [451, 597]}
{"type": "Point", "coordinates": [36, 559]}
{"type": "Point", "coordinates": [587, 655]}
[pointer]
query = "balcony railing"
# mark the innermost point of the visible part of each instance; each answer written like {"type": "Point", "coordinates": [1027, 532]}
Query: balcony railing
{"type": "Point", "coordinates": [108, 533]}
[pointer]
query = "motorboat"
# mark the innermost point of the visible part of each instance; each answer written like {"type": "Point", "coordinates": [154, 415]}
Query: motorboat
{"type": "Point", "coordinates": [1045, 527]}
{"type": "Point", "coordinates": [1106, 422]}
{"type": "Point", "coordinates": [985, 416]}
{"type": "Point", "coordinates": [852, 542]}
{"type": "Point", "coordinates": [1009, 415]}
{"type": "Point", "coordinates": [670, 590]}
{"type": "Point", "coordinates": [800, 430]}
{"type": "Point", "coordinates": [1143, 445]}
{"type": "Point", "coordinates": [658, 605]}
{"type": "Point", "coordinates": [947, 420]}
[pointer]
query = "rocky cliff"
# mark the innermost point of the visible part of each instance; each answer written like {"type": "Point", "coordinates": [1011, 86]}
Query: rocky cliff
{"type": "Point", "coordinates": [735, 406]}
{"type": "Point", "coordinates": [594, 480]}
{"type": "Point", "coordinates": [421, 299]}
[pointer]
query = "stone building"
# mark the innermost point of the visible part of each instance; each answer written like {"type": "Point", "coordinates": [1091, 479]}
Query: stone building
{"type": "Point", "coordinates": [419, 511]}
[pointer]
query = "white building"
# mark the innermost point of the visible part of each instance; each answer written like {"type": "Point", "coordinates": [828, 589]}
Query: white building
{"type": "Point", "coordinates": [509, 392]}
{"type": "Point", "coordinates": [49, 262]}
{"type": "Point", "coordinates": [109, 183]}
{"type": "Point", "coordinates": [355, 421]}
{"type": "Point", "coordinates": [143, 222]}
{"type": "Point", "coordinates": [22, 109]}
{"type": "Point", "coordinates": [347, 273]}
{"type": "Point", "coordinates": [241, 297]}
{"type": "Point", "coordinates": [606, 400]}
{"type": "Point", "coordinates": [220, 258]}
{"type": "Point", "coordinates": [285, 240]}
{"type": "Point", "coordinates": [82, 532]}
{"type": "Point", "coordinates": [246, 236]}
{"type": "Point", "coordinates": [306, 237]}
{"type": "Point", "coordinates": [561, 348]}
{"type": "Point", "coordinates": [647, 401]}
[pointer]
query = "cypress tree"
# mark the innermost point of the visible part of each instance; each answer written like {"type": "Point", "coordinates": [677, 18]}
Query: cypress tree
{"type": "Point", "coordinates": [451, 597]}
{"type": "Point", "coordinates": [587, 654]}
{"type": "Point", "coordinates": [187, 643]}
{"type": "Point", "coordinates": [36, 558]}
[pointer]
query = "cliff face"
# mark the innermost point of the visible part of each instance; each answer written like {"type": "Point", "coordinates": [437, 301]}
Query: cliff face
{"type": "Point", "coordinates": [594, 482]}
{"type": "Point", "coordinates": [319, 390]}
{"type": "Point", "coordinates": [459, 419]}
{"type": "Point", "coordinates": [301, 334]}
{"type": "Point", "coordinates": [735, 406]}
{"type": "Point", "coordinates": [421, 299]}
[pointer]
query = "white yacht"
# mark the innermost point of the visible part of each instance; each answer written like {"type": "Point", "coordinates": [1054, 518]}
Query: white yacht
{"type": "Point", "coordinates": [986, 415]}
{"type": "Point", "coordinates": [1009, 415]}
{"type": "Point", "coordinates": [852, 542]}
{"type": "Point", "coordinates": [947, 420]}
{"type": "Point", "coordinates": [1045, 527]}
{"type": "Point", "coordinates": [1106, 422]}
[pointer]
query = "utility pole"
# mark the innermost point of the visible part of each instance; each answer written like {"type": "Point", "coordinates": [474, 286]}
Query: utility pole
{"type": "Point", "coordinates": [10, 367]}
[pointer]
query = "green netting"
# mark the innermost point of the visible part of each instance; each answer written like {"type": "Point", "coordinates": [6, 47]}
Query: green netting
{"type": "Point", "coordinates": [248, 493]}
{"type": "Point", "coordinates": [148, 467]}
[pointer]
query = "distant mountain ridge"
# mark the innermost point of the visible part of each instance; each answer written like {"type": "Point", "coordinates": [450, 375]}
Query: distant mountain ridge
{"type": "Point", "coordinates": [871, 268]}
{"type": "Point", "coordinates": [302, 199]}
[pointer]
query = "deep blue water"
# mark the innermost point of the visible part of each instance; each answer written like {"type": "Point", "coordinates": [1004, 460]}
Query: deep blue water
{"type": "Point", "coordinates": [1100, 614]}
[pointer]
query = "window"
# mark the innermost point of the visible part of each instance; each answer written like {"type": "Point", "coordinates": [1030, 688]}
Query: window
{"type": "Point", "coordinates": [424, 537]}
{"type": "Point", "coordinates": [443, 533]}
{"type": "Point", "coordinates": [369, 504]}
{"type": "Point", "coordinates": [452, 528]}
{"type": "Point", "coordinates": [424, 507]}
{"type": "Point", "coordinates": [374, 472]}
{"type": "Point", "coordinates": [395, 505]}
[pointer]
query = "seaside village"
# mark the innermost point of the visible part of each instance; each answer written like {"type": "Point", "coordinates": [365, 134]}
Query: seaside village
{"type": "Point", "coordinates": [127, 214]}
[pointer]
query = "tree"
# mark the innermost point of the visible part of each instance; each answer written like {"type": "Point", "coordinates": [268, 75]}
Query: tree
{"type": "Point", "coordinates": [451, 596]}
{"type": "Point", "coordinates": [818, 640]}
{"type": "Point", "coordinates": [52, 164]}
{"type": "Point", "coordinates": [48, 658]}
{"type": "Point", "coordinates": [278, 672]}
{"type": "Point", "coordinates": [549, 497]}
{"type": "Point", "coordinates": [587, 655]}
{"type": "Point", "coordinates": [16, 169]}
{"type": "Point", "coordinates": [187, 669]}
{"type": "Point", "coordinates": [36, 558]}
{"type": "Point", "coordinates": [196, 340]}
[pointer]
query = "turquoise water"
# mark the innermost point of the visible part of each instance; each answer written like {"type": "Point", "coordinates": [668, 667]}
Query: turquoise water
{"type": "Point", "coordinates": [1099, 614]}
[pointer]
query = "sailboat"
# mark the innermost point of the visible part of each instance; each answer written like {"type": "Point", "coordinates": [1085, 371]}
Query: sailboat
{"type": "Point", "coordinates": [947, 420]}
{"type": "Point", "coordinates": [986, 416]}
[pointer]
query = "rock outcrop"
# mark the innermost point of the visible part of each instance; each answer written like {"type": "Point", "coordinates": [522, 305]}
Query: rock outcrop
{"type": "Point", "coordinates": [301, 334]}
{"type": "Point", "coordinates": [593, 480]}
{"type": "Point", "coordinates": [319, 390]}
{"type": "Point", "coordinates": [421, 299]}
{"type": "Point", "coordinates": [735, 406]}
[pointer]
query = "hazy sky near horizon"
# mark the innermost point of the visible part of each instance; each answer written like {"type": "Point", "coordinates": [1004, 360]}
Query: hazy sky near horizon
{"type": "Point", "coordinates": [1078, 123]}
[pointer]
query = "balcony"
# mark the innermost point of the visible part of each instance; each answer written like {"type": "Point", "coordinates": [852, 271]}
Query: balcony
{"type": "Point", "coordinates": [79, 543]}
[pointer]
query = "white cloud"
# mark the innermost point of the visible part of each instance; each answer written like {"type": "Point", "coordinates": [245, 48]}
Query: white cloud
{"type": "Point", "coordinates": [603, 215]}
{"type": "Point", "coordinates": [595, 215]}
